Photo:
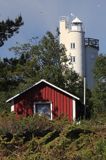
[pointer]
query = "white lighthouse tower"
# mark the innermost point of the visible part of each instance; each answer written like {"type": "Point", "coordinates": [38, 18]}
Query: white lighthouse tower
{"type": "Point", "coordinates": [81, 52]}
{"type": "Point", "coordinates": [73, 38]}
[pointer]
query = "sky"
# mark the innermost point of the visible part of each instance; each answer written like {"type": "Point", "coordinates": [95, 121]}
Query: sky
{"type": "Point", "coordinates": [40, 16]}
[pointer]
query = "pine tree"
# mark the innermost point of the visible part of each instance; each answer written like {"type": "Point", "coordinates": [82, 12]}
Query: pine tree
{"type": "Point", "coordinates": [8, 28]}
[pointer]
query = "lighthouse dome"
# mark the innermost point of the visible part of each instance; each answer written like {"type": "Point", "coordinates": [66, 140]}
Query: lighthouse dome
{"type": "Point", "coordinates": [77, 21]}
{"type": "Point", "coordinates": [76, 25]}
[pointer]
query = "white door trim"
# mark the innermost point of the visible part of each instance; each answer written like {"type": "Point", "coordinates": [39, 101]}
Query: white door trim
{"type": "Point", "coordinates": [12, 107]}
{"type": "Point", "coordinates": [74, 110]}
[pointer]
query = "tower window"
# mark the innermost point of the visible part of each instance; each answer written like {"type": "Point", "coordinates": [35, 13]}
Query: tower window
{"type": "Point", "coordinates": [72, 45]}
{"type": "Point", "coordinates": [72, 58]}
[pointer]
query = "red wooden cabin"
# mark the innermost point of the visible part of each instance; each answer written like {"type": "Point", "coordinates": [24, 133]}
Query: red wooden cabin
{"type": "Point", "coordinates": [47, 99]}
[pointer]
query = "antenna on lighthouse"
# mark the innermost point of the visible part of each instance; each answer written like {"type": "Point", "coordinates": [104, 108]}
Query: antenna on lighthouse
{"type": "Point", "coordinates": [72, 15]}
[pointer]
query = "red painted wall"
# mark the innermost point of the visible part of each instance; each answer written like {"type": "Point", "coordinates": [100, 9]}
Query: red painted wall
{"type": "Point", "coordinates": [61, 103]}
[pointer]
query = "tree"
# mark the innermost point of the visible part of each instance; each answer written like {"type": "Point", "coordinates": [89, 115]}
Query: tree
{"type": "Point", "coordinates": [8, 80]}
{"type": "Point", "coordinates": [45, 60]}
{"type": "Point", "coordinates": [99, 92]}
{"type": "Point", "coordinates": [7, 66]}
{"type": "Point", "coordinates": [8, 28]}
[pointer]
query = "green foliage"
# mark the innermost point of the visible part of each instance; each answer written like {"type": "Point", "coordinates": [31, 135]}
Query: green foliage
{"type": "Point", "coordinates": [51, 140]}
{"type": "Point", "coordinates": [101, 147]}
{"type": "Point", "coordinates": [99, 92]}
{"type": "Point", "coordinates": [7, 66]}
{"type": "Point", "coordinates": [47, 60]}
{"type": "Point", "coordinates": [43, 60]}
{"type": "Point", "coordinates": [8, 28]}
{"type": "Point", "coordinates": [9, 80]}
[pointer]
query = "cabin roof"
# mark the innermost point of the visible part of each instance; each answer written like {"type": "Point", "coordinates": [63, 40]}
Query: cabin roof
{"type": "Point", "coordinates": [36, 84]}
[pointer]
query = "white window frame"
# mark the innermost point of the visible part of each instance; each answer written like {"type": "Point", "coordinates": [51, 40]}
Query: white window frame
{"type": "Point", "coordinates": [41, 102]}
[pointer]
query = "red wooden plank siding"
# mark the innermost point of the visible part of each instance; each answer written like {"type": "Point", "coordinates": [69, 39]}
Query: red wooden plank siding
{"type": "Point", "coordinates": [50, 94]}
{"type": "Point", "coordinates": [52, 100]}
{"type": "Point", "coordinates": [46, 92]}
{"type": "Point", "coordinates": [67, 112]}
{"type": "Point", "coordinates": [65, 106]}
{"type": "Point", "coordinates": [60, 107]}
{"type": "Point", "coordinates": [68, 107]}
{"type": "Point", "coordinates": [40, 94]}
{"type": "Point", "coordinates": [49, 90]}
{"type": "Point", "coordinates": [71, 110]}
{"type": "Point", "coordinates": [43, 93]}
{"type": "Point", "coordinates": [56, 105]}
{"type": "Point", "coordinates": [61, 102]}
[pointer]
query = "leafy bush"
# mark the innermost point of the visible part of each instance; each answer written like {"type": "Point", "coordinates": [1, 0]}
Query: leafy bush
{"type": "Point", "coordinates": [37, 138]}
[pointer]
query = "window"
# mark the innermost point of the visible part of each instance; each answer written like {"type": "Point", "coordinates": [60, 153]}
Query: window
{"type": "Point", "coordinates": [43, 108]}
{"type": "Point", "coordinates": [72, 46]}
{"type": "Point", "coordinates": [72, 58]}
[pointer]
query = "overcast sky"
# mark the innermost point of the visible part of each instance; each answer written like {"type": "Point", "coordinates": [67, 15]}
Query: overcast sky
{"type": "Point", "coordinates": [40, 16]}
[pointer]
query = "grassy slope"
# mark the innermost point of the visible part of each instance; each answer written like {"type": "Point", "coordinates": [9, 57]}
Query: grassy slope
{"type": "Point", "coordinates": [36, 138]}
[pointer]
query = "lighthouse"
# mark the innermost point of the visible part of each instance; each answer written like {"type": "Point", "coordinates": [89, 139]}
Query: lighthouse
{"type": "Point", "coordinates": [81, 51]}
